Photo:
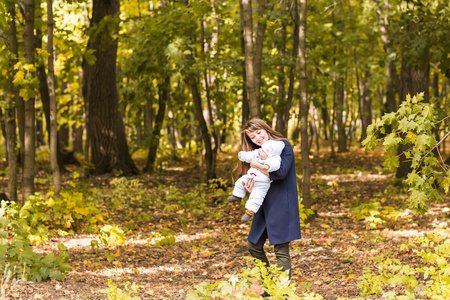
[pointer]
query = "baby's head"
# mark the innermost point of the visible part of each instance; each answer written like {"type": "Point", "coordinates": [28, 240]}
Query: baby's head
{"type": "Point", "coordinates": [272, 148]}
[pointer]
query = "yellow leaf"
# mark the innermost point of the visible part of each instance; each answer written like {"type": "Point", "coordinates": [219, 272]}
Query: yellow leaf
{"type": "Point", "coordinates": [50, 202]}
{"type": "Point", "coordinates": [411, 135]}
{"type": "Point", "coordinates": [350, 277]}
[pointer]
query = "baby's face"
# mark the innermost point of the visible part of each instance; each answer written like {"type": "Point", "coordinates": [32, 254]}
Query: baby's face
{"type": "Point", "coordinates": [262, 154]}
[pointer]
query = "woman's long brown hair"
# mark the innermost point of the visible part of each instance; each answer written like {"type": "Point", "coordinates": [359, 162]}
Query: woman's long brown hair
{"type": "Point", "coordinates": [248, 145]}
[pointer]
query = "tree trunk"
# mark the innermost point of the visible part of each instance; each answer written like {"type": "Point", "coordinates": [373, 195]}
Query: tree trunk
{"type": "Point", "coordinates": [257, 58]}
{"type": "Point", "coordinates": [285, 101]}
{"type": "Point", "coordinates": [211, 107]}
{"type": "Point", "coordinates": [342, 137]}
{"type": "Point", "coordinates": [366, 118]}
{"type": "Point", "coordinates": [415, 78]}
{"type": "Point", "coordinates": [306, 172]}
{"type": "Point", "coordinates": [156, 132]}
{"type": "Point", "coordinates": [30, 111]}
{"type": "Point", "coordinates": [45, 100]}
{"type": "Point", "coordinates": [295, 49]}
{"type": "Point", "coordinates": [281, 125]}
{"type": "Point", "coordinates": [315, 129]}
{"type": "Point", "coordinates": [52, 93]}
{"type": "Point", "coordinates": [250, 74]}
{"type": "Point", "coordinates": [63, 131]}
{"type": "Point", "coordinates": [390, 103]}
{"type": "Point", "coordinates": [391, 73]}
{"type": "Point", "coordinates": [109, 148]}
{"type": "Point", "coordinates": [209, 152]}
{"type": "Point", "coordinates": [245, 106]}
{"type": "Point", "coordinates": [3, 126]}
{"type": "Point", "coordinates": [78, 126]}
{"type": "Point", "coordinates": [10, 111]}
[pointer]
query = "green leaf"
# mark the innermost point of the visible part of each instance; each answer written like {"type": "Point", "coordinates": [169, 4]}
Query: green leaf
{"type": "Point", "coordinates": [418, 201]}
{"type": "Point", "coordinates": [392, 140]}
{"type": "Point", "coordinates": [370, 143]}
{"type": "Point", "coordinates": [424, 142]}
{"type": "Point", "coordinates": [391, 162]}
{"type": "Point", "coordinates": [390, 118]}
{"type": "Point", "coordinates": [56, 275]}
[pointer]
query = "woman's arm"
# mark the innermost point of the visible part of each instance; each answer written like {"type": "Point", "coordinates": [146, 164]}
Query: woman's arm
{"type": "Point", "coordinates": [287, 159]}
{"type": "Point", "coordinates": [263, 168]}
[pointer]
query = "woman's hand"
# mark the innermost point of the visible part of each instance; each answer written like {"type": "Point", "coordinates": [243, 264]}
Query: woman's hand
{"type": "Point", "coordinates": [248, 185]}
{"type": "Point", "coordinates": [263, 168]}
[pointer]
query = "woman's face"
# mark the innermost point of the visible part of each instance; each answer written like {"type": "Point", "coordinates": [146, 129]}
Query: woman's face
{"type": "Point", "coordinates": [258, 136]}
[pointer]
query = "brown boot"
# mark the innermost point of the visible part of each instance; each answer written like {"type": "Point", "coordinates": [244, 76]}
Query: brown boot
{"type": "Point", "coordinates": [233, 198]}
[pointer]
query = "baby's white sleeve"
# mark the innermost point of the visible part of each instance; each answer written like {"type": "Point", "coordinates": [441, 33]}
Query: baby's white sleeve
{"type": "Point", "coordinates": [247, 156]}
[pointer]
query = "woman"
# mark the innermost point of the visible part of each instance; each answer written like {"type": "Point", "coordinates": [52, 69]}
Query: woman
{"type": "Point", "coordinates": [278, 218]}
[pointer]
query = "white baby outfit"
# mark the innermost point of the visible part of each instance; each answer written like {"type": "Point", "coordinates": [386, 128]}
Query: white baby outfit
{"type": "Point", "coordinates": [261, 181]}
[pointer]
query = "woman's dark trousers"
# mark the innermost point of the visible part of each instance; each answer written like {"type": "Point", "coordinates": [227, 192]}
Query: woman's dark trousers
{"type": "Point", "coordinates": [281, 252]}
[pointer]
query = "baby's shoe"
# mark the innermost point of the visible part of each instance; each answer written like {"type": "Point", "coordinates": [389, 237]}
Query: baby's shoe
{"type": "Point", "coordinates": [233, 198]}
{"type": "Point", "coordinates": [248, 214]}
{"type": "Point", "coordinates": [245, 217]}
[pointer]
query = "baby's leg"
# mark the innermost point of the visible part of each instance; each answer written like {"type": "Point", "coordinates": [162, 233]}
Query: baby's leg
{"type": "Point", "coordinates": [257, 196]}
{"type": "Point", "coordinates": [239, 190]}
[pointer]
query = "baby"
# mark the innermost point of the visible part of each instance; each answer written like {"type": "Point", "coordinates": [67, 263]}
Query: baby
{"type": "Point", "coordinates": [269, 156]}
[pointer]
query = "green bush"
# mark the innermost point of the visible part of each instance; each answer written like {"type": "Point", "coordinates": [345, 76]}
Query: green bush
{"type": "Point", "coordinates": [414, 126]}
{"type": "Point", "coordinates": [17, 228]}
{"type": "Point", "coordinates": [74, 212]}
{"type": "Point", "coordinates": [127, 193]}
{"type": "Point", "coordinates": [250, 284]}
{"type": "Point", "coordinates": [431, 281]}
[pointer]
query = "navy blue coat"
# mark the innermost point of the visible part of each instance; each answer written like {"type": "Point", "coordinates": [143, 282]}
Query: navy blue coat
{"type": "Point", "coordinates": [279, 212]}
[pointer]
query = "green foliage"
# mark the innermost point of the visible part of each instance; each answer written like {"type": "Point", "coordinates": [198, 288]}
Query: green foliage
{"type": "Point", "coordinates": [250, 284]}
{"type": "Point", "coordinates": [165, 238]}
{"type": "Point", "coordinates": [195, 201]}
{"type": "Point", "coordinates": [32, 218]}
{"type": "Point", "coordinates": [111, 235]}
{"type": "Point", "coordinates": [374, 214]}
{"type": "Point", "coordinates": [412, 125]}
{"type": "Point", "coordinates": [304, 212]}
{"type": "Point", "coordinates": [113, 292]}
{"type": "Point", "coordinates": [74, 212]}
{"type": "Point", "coordinates": [128, 193]}
{"type": "Point", "coordinates": [433, 250]}
{"type": "Point", "coordinates": [16, 251]}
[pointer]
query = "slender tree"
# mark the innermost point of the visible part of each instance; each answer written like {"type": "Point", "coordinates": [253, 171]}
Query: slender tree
{"type": "Point", "coordinates": [261, 25]}
{"type": "Point", "coordinates": [245, 103]}
{"type": "Point", "coordinates": [52, 93]}
{"type": "Point", "coordinates": [10, 112]}
{"type": "Point", "coordinates": [164, 96]}
{"type": "Point", "coordinates": [29, 107]}
{"type": "Point", "coordinates": [306, 172]}
{"type": "Point", "coordinates": [250, 72]}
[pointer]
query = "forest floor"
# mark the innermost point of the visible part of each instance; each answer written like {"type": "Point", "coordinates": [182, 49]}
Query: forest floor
{"type": "Point", "coordinates": [328, 260]}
